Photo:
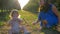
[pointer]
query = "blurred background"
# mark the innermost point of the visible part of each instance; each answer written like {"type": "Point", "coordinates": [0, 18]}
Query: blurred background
{"type": "Point", "coordinates": [28, 9]}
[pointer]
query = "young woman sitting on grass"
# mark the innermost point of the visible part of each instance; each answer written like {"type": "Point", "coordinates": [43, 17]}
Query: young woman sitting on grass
{"type": "Point", "coordinates": [49, 15]}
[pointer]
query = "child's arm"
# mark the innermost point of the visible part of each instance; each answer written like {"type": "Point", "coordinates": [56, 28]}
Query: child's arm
{"type": "Point", "coordinates": [20, 21]}
{"type": "Point", "coordinates": [9, 23]}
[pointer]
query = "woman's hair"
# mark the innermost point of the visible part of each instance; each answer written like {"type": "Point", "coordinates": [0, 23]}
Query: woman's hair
{"type": "Point", "coordinates": [13, 12]}
{"type": "Point", "coordinates": [46, 6]}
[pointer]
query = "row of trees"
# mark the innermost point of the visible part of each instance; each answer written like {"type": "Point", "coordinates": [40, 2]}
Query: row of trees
{"type": "Point", "coordinates": [58, 4]}
{"type": "Point", "coordinates": [6, 6]}
{"type": "Point", "coordinates": [9, 4]}
{"type": "Point", "coordinates": [33, 5]}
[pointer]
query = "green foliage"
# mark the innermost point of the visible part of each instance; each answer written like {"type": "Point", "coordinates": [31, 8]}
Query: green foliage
{"type": "Point", "coordinates": [32, 6]}
{"type": "Point", "coordinates": [1, 24]}
{"type": "Point", "coordinates": [57, 3]}
{"type": "Point", "coordinates": [9, 4]}
{"type": "Point", "coordinates": [4, 15]}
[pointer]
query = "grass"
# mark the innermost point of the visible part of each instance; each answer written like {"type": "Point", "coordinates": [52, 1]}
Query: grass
{"type": "Point", "coordinates": [28, 18]}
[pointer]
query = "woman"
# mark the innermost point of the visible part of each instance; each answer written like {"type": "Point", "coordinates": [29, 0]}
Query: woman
{"type": "Point", "coordinates": [49, 15]}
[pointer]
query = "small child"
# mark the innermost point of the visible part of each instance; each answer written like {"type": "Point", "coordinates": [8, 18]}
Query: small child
{"type": "Point", "coordinates": [15, 23]}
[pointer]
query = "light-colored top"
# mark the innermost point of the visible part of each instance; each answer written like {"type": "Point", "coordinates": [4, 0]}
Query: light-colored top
{"type": "Point", "coordinates": [15, 23]}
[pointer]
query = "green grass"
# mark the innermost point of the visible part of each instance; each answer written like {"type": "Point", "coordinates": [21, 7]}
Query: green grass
{"type": "Point", "coordinates": [29, 17]}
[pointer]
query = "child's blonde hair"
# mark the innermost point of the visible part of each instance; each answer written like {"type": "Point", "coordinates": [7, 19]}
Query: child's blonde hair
{"type": "Point", "coordinates": [13, 11]}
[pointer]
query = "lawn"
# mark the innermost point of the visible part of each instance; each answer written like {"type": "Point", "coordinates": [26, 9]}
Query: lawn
{"type": "Point", "coordinates": [28, 18]}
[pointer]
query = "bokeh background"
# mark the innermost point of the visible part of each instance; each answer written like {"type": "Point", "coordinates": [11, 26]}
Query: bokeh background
{"type": "Point", "coordinates": [29, 13]}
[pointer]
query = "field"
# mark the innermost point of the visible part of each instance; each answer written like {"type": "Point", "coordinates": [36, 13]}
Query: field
{"type": "Point", "coordinates": [28, 18]}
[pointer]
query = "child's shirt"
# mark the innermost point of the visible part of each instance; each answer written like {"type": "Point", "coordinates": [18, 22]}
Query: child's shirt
{"type": "Point", "coordinates": [15, 23]}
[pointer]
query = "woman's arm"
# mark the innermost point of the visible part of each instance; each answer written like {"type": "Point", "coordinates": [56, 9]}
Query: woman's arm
{"type": "Point", "coordinates": [56, 12]}
{"type": "Point", "coordinates": [38, 20]}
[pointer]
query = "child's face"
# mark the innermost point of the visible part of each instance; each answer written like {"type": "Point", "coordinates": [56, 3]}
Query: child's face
{"type": "Point", "coordinates": [42, 2]}
{"type": "Point", "coordinates": [15, 14]}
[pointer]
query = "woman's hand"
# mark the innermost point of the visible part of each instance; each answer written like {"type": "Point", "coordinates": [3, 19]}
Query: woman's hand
{"type": "Point", "coordinates": [34, 23]}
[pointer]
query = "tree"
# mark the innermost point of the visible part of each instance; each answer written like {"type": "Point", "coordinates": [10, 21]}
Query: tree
{"type": "Point", "coordinates": [58, 4]}
{"type": "Point", "coordinates": [32, 6]}
{"type": "Point", "coordinates": [9, 4]}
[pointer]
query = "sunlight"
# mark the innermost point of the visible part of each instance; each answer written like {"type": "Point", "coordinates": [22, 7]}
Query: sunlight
{"type": "Point", "coordinates": [19, 16]}
{"type": "Point", "coordinates": [23, 3]}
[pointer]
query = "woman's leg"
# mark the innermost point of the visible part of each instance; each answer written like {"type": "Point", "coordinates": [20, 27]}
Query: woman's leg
{"type": "Point", "coordinates": [43, 24]}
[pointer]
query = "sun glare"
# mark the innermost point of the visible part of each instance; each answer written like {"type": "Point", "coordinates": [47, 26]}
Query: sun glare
{"type": "Point", "coordinates": [23, 3]}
